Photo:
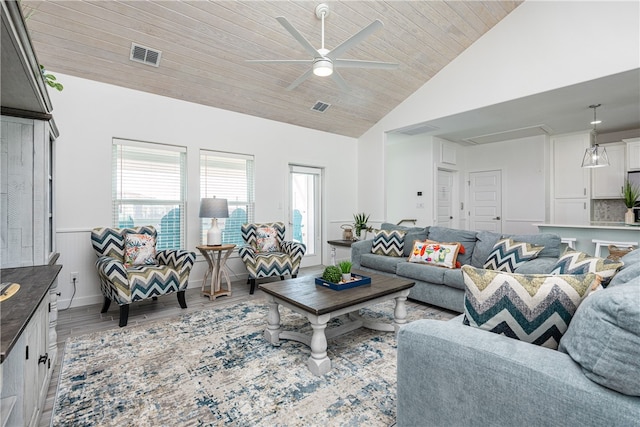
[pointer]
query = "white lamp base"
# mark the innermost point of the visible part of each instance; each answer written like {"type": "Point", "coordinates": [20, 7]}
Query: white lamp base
{"type": "Point", "coordinates": [214, 235]}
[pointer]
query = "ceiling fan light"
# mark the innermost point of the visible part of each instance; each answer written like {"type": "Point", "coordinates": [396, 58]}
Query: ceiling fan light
{"type": "Point", "coordinates": [322, 67]}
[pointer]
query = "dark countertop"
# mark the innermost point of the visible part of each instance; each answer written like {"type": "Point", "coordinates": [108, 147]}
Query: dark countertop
{"type": "Point", "coordinates": [16, 311]}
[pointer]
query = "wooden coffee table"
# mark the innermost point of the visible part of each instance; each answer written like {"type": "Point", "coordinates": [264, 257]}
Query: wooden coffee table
{"type": "Point", "coordinates": [319, 305]}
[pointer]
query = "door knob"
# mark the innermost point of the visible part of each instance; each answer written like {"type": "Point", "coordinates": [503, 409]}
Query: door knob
{"type": "Point", "coordinates": [497, 218]}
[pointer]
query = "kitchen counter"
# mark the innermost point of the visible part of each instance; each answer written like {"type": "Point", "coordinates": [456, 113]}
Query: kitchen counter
{"type": "Point", "coordinates": [16, 311]}
{"type": "Point", "coordinates": [585, 234]}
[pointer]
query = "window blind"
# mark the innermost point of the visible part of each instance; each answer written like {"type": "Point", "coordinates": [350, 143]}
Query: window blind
{"type": "Point", "coordinates": [149, 189]}
{"type": "Point", "coordinates": [228, 176]}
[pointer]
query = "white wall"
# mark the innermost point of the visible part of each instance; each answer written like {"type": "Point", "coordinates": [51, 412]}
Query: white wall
{"type": "Point", "coordinates": [523, 171]}
{"type": "Point", "coordinates": [540, 46]}
{"type": "Point", "coordinates": [90, 114]}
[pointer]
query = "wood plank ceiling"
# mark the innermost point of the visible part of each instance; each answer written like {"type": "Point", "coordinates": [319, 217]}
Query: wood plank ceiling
{"type": "Point", "coordinates": [205, 45]}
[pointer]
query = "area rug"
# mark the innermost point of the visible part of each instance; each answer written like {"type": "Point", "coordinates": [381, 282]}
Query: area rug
{"type": "Point", "coordinates": [214, 367]}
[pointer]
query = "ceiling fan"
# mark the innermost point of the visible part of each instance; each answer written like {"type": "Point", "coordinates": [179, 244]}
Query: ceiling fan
{"type": "Point", "coordinates": [324, 61]}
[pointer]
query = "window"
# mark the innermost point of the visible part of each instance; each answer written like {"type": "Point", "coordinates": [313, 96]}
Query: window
{"type": "Point", "coordinates": [228, 176]}
{"type": "Point", "coordinates": [149, 189]}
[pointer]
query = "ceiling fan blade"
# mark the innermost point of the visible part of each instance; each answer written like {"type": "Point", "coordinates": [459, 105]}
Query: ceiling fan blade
{"type": "Point", "coordinates": [307, 46]}
{"type": "Point", "coordinates": [356, 38]}
{"type": "Point", "coordinates": [355, 63]}
{"type": "Point", "coordinates": [342, 84]}
{"type": "Point", "coordinates": [300, 79]}
{"type": "Point", "coordinates": [280, 61]}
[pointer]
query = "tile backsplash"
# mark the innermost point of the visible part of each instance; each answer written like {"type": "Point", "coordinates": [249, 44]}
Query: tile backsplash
{"type": "Point", "coordinates": [608, 210]}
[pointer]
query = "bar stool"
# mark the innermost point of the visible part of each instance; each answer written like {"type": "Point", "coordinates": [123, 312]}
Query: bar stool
{"type": "Point", "coordinates": [569, 241]}
{"type": "Point", "coordinates": [606, 243]}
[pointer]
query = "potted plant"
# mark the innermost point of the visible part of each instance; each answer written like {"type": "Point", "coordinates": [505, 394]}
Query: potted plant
{"type": "Point", "coordinates": [630, 193]}
{"type": "Point", "coordinates": [345, 267]}
{"type": "Point", "coordinates": [332, 274]}
{"type": "Point", "coordinates": [360, 223]}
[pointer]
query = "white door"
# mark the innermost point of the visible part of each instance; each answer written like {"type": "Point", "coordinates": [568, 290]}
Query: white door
{"type": "Point", "coordinates": [305, 211]}
{"type": "Point", "coordinates": [485, 201]}
{"type": "Point", "coordinates": [444, 206]}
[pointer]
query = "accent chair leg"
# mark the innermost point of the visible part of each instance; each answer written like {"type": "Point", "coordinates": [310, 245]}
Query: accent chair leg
{"type": "Point", "coordinates": [293, 276]}
{"type": "Point", "coordinates": [181, 300]}
{"type": "Point", "coordinates": [281, 277]}
{"type": "Point", "coordinates": [105, 305]}
{"type": "Point", "coordinates": [253, 286]}
{"type": "Point", "coordinates": [154, 298]}
{"type": "Point", "coordinates": [124, 315]}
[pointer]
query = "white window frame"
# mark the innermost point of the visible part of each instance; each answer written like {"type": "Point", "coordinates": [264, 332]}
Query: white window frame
{"type": "Point", "coordinates": [131, 193]}
{"type": "Point", "coordinates": [236, 184]}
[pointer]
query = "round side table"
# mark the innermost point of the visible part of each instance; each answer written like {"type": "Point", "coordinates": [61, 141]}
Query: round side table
{"type": "Point", "coordinates": [216, 257]}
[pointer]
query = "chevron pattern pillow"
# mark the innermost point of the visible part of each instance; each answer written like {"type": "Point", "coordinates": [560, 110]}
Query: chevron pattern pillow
{"type": "Point", "coordinates": [388, 242]}
{"type": "Point", "coordinates": [575, 262]}
{"type": "Point", "coordinates": [507, 255]}
{"type": "Point", "coordinates": [535, 308]}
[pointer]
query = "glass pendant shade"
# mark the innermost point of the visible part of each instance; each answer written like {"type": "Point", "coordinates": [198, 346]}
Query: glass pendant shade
{"type": "Point", "coordinates": [595, 157]}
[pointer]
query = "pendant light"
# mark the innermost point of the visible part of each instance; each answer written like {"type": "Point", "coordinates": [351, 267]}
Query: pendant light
{"type": "Point", "coordinates": [594, 156]}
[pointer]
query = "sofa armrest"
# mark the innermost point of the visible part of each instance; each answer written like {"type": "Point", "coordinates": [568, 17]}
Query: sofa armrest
{"type": "Point", "coordinates": [452, 374]}
{"type": "Point", "coordinates": [358, 249]}
{"type": "Point", "coordinates": [113, 272]}
{"type": "Point", "coordinates": [180, 260]}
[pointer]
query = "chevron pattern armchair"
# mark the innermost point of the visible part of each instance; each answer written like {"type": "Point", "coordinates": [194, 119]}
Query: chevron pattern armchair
{"type": "Point", "coordinates": [131, 270]}
{"type": "Point", "coordinates": [266, 253]}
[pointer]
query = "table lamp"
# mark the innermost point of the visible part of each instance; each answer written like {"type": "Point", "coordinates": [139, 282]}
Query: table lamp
{"type": "Point", "coordinates": [214, 208]}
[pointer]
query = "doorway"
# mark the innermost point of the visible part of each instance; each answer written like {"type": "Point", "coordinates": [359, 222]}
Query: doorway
{"type": "Point", "coordinates": [485, 201]}
{"type": "Point", "coordinates": [305, 218]}
{"type": "Point", "coordinates": [444, 198]}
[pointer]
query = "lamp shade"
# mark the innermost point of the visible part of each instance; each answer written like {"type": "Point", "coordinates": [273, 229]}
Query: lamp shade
{"type": "Point", "coordinates": [214, 208]}
{"type": "Point", "coordinates": [595, 157]}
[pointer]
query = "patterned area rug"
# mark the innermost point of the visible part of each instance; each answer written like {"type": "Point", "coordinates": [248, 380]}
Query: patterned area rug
{"type": "Point", "coordinates": [214, 367]}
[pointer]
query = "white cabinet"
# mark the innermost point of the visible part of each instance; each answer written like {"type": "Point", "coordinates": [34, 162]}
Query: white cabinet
{"type": "Point", "coordinates": [571, 182]}
{"type": "Point", "coordinates": [607, 182]}
{"type": "Point", "coordinates": [633, 153]}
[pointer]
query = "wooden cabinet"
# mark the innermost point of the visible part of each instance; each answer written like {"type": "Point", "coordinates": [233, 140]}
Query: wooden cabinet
{"type": "Point", "coordinates": [633, 153]}
{"type": "Point", "coordinates": [570, 181]}
{"type": "Point", "coordinates": [26, 359]}
{"type": "Point", "coordinates": [607, 182]}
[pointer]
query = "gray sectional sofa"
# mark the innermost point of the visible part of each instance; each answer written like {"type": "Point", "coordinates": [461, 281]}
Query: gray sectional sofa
{"type": "Point", "coordinates": [444, 287]}
{"type": "Point", "coordinates": [450, 374]}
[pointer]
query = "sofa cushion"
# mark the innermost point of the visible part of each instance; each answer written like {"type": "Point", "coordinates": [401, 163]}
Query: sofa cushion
{"type": "Point", "coordinates": [453, 278]}
{"type": "Point", "coordinates": [380, 262]}
{"type": "Point", "coordinates": [485, 241]}
{"type": "Point", "coordinates": [465, 237]}
{"type": "Point", "coordinates": [508, 254]}
{"type": "Point", "coordinates": [604, 338]}
{"type": "Point", "coordinates": [540, 265]}
{"type": "Point", "coordinates": [421, 272]}
{"type": "Point", "coordinates": [575, 262]}
{"type": "Point", "coordinates": [388, 242]}
{"type": "Point", "coordinates": [442, 254]}
{"type": "Point", "coordinates": [535, 308]}
{"type": "Point", "coordinates": [627, 274]}
{"type": "Point", "coordinates": [550, 242]}
{"type": "Point", "coordinates": [412, 234]}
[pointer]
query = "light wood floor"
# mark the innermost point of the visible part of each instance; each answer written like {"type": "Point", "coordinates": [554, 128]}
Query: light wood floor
{"type": "Point", "coordinates": [87, 319]}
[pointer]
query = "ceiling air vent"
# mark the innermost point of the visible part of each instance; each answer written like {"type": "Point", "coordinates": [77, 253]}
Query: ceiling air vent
{"type": "Point", "coordinates": [320, 106]}
{"type": "Point", "coordinates": [145, 55]}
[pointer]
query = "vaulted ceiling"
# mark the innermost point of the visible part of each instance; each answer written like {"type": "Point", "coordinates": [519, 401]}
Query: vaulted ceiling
{"type": "Point", "coordinates": [205, 46]}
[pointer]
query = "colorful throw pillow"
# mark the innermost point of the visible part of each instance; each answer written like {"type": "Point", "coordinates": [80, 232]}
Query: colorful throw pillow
{"type": "Point", "coordinates": [507, 255]}
{"type": "Point", "coordinates": [139, 249]}
{"type": "Point", "coordinates": [575, 262]}
{"type": "Point", "coordinates": [267, 240]}
{"type": "Point", "coordinates": [435, 253]}
{"type": "Point", "coordinates": [535, 308]}
{"type": "Point", "coordinates": [388, 242]}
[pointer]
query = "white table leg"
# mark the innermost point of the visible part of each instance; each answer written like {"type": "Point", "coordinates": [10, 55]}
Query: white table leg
{"type": "Point", "coordinates": [272, 333]}
{"type": "Point", "coordinates": [400, 312]}
{"type": "Point", "coordinates": [319, 364]}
